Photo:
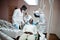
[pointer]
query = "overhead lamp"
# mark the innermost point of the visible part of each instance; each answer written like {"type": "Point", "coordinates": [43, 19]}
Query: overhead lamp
{"type": "Point", "coordinates": [31, 2]}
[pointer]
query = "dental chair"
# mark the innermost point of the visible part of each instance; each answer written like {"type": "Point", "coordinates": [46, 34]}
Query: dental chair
{"type": "Point", "coordinates": [4, 36]}
{"type": "Point", "coordinates": [7, 28]}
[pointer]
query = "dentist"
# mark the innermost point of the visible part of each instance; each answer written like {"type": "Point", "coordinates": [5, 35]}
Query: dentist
{"type": "Point", "coordinates": [17, 18]}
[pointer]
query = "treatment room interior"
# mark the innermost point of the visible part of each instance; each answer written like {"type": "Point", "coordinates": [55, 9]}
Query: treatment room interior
{"type": "Point", "coordinates": [7, 8]}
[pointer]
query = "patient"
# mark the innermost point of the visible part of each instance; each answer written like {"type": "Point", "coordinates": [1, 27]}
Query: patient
{"type": "Point", "coordinates": [30, 32]}
{"type": "Point", "coordinates": [27, 17]}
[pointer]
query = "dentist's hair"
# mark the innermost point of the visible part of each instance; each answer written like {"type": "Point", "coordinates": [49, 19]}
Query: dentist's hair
{"type": "Point", "coordinates": [23, 8]}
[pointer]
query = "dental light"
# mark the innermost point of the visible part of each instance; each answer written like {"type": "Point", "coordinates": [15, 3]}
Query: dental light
{"type": "Point", "coordinates": [31, 2]}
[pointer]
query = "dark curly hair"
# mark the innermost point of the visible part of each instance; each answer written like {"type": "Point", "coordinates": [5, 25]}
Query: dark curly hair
{"type": "Point", "coordinates": [23, 8]}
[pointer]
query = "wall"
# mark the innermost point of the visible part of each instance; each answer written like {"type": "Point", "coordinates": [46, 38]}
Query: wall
{"type": "Point", "coordinates": [55, 23]}
{"type": "Point", "coordinates": [12, 4]}
{"type": "Point", "coordinates": [57, 29]}
{"type": "Point", "coordinates": [55, 16]}
{"type": "Point", "coordinates": [4, 9]}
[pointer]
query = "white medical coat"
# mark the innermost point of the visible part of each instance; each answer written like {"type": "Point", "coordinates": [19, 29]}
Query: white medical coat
{"type": "Point", "coordinates": [17, 17]}
{"type": "Point", "coordinates": [42, 23]}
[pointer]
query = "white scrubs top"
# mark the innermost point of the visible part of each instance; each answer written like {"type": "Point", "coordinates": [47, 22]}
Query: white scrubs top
{"type": "Point", "coordinates": [42, 23]}
{"type": "Point", "coordinates": [17, 17]}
